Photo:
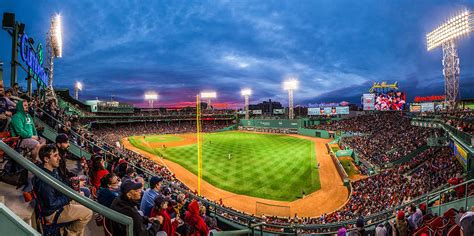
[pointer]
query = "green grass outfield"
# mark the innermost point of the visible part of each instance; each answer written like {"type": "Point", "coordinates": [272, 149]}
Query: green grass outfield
{"type": "Point", "coordinates": [269, 166]}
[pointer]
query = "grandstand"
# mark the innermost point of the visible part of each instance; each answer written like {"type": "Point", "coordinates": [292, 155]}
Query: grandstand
{"type": "Point", "coordinates": [106, 167]}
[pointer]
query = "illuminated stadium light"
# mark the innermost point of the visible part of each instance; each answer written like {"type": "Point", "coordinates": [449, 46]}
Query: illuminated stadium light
{"type": "Point", "coordinates": [208, 96]}
{"type": "Point", "coordinates": [290, 85]}
{"type": "Point", "coordinates": [77, 87]}
{"type": "Point", "coordinates": [56, 36]}
{"type": "Point", "coordinates": [151, 97]}
{"type": "Point", "coordinates": [445, 36]}
{"type": "Point", "coordinates": [246, 93]}
{"type": "Point", "coordinates": [457, 27]}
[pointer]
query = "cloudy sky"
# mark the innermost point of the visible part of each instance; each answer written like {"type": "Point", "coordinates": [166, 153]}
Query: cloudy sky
{"type": "Point", "coordinates": [177, 48]}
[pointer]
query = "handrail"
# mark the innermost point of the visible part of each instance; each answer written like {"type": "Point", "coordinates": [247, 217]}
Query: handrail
{"type": "Point", "coordinates": [375, 217]}
{"type": "Point", "coordinates": [58, 185]}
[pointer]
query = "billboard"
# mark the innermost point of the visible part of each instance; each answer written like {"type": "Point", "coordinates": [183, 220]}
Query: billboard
{"type": "Point", "coordinates": [459, 153]}
{"type": "Point", "coordinates": [257, 112]}
{"type": "Point", "coordinates": [427, 107]}
{"type": "Point", "coordinates": [368, 101]}
{"type": "Point", "coordinates": [322, 111]}
{"type": "Point", "coordinates": [415, 107]}
{"type": "Point", "coordinates": [278, 111]}
{"type": "Point", "coordinates": [390, 101]}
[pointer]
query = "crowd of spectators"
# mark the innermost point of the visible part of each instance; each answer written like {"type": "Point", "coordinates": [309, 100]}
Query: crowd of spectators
{"type": "Point", "coordinates": [386, 136]}
{"type": "Point", "coordinates": [112, 133]}
{"type": "Point", "coordinates": [461, 120]}
{"type": "Point", "coordinates": [168, 206]}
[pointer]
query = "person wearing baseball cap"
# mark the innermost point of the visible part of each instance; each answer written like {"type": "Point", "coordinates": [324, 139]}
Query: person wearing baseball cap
{"type": "Point", "coordinates": [126, 204]}
{"type": "Point", "coordinates": [62, 143]}
{"type": "Point", "coordinates": [150, 195]}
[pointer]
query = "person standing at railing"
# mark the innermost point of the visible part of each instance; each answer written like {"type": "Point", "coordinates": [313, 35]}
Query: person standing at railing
{"type": "Point", "coordinates": [53, 202]}
{"type": "Point", "coordinates": [22, 125]}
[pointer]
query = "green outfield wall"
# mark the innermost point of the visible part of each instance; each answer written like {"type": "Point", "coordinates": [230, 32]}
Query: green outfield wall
{"type": "Point", "coordinates": [277, 124]}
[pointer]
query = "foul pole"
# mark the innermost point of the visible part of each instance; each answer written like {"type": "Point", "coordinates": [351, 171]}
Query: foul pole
{"type": "Point", "coordinates": [199, 141]}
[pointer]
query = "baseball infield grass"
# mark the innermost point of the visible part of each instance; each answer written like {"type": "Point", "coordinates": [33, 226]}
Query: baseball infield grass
{"type": "Point", "coordinates": [269, 166]}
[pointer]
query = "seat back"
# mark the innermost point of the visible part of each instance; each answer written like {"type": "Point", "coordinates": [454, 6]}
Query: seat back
{"type": "Point", "coordinates": [455, 230]}
{"type": "Point", "coordinates": [425, 230]}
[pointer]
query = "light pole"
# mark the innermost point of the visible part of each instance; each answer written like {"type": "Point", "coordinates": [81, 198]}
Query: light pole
{"type": "Point", "coordinates": [208, 96]}
{"type": "Point", "coordinates": [246, 93]}
{"type": "Point", "coordinates": [290, 85]}
{"type": "Point", "coordinates": [77, 87]}
{"type": "Point", "coordinates": [151, 97]}
{"type": "Point", "coordinates": [446, 36]}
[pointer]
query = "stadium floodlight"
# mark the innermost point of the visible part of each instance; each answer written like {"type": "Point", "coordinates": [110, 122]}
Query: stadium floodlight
{"type": "Point", "coordinates": [77, 87]}
{"type": "Point", "coordinates": [151, 97]}
{"type": "Point", "coordinates": [246, 93]}
{"type": "Point", "coordinates": [54, 49]}
{"type": "Point", "coordinates": [290, 85]}
{"type": "Point", "coordinates": [208, 96]}
{"type": "Point", "coordinates": [56, 36]}
{"type": "Point", "coordinates": [445, 36]}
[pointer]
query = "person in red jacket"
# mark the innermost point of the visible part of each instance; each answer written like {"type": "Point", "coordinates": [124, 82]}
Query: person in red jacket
{"type": "Point", "coordinates": [161, 209]}
{"type": "Point", "coordinates": [98, 171]}
{"type": "Point", "coordinates": [195, 221]}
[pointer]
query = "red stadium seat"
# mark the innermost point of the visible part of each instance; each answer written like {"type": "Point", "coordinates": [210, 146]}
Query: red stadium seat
{"type": "Point", "coordinates": [455, 230]}
{"type": "Point", "coordinates": [423, 231]}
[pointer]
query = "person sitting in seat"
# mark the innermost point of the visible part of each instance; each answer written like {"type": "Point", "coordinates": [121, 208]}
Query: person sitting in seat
{"type": "Point", "coordinates": [22, 125]}
{"type": "Point", "coordinates": [53, 202]}
{"type": "Point", "coordinates": [7, 107]}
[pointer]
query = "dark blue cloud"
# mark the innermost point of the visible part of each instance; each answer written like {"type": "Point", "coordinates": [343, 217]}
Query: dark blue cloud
{"type": "Point", "coordinates": [178, 48]}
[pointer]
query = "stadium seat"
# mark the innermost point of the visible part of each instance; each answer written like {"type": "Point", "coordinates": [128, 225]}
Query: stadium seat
{"type": "Point", "coordinates": [45, 227]}
{"type": "Point", "coordinates": [455, 230]}
{"type": "Point", "coordinates": [425, 230]}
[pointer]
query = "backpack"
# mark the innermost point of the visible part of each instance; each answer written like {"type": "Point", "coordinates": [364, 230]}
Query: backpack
{"type": "Point", "coordinates": [14, 174]}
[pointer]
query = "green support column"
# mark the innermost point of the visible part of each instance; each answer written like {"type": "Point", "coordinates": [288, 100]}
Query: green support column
{"type": "Point", "coordinates": [13, 73]}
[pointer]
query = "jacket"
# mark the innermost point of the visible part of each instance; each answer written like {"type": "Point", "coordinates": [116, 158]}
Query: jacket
{"type": "Point", "coordinates": [48, 197]}
{"type": "Point", "coordinates": [63, 172]}
{"type": "Point", "coordinates": [22, 123]}
{"type": "Point", "coordinates": [106, 196]}
{"type": "Point", "coordinates": [127, 207]}
{"type": "Point", "coordinates": [194, 220]}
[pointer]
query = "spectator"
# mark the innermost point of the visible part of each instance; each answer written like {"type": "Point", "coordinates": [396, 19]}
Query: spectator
{"type": "Point", "coordinates": [22, 125]}
{"type": "Point", "coordinates": [126, 204]}
{"type": "Point", "coordinates": [196, 224]}
{"type": "Point", "coordinates": [6, 109]}
{"type": "Point", "coordinates": [467, 223]}
{"type": "Point", "coordinates": [98, 171]}
{"type": "Point", "coordinates": [401, 225]}
{"type": "Point", "coordinates": [129, 175]}
{"type": "Point", "coordinates": [62, 143]}
{"type": "Point", "coordinates": [109, 189]}
{"type": "Point", "coordinates": [414, 217]}
{"type": "Point", "coordinates": [161, 209]}
{"type": "Point", "coordinates": [150, 194]}
{"type": "Point", "coordinates": [53, 202]}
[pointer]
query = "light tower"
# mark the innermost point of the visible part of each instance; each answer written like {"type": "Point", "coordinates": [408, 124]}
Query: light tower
{"type": "Point", "coordinates": [151, 97]}
{"type": "Point", "coordinates": [446, 36]}
{"type": "Point", "coordinates": [208, 96]}
{"type": "Point", "coordinates": [290, 85]}
{"type": "Point", "coordinates": [77, 87]}
{"type": "Point", "coordinates": [246, 93]}
{"type": "Point", "coordinates": [54, 49]}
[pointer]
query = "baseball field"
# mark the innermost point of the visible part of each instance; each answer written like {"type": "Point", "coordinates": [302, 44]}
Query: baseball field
{"type": "Point", "coordinates": [268, 166]}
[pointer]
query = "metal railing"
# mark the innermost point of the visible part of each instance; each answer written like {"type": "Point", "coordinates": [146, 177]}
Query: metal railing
{"type": "Point", "coordinates": [61, 187]}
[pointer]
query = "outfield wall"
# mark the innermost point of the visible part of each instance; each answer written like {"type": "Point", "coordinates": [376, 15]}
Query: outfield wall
{"type": "Point", "coordinates": [278, 124]}
{"type": "Point", "coordinates": [314, 133]}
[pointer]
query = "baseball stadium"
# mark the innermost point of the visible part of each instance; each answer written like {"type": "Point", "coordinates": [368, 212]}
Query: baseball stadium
{"type": "Point", "coordinates": [123, 135]}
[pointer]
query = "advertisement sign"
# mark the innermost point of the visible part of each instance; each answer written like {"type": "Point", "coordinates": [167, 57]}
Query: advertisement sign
{"type": "Point", "coordinates": [278, 111]}
{"type": "Point", "coordinates": [430, 98]}
{"type": "Point", "coordinates": [33, 59]}
{"type": "Point", "coordinates": [323, 111]}
{"type": "Point", "coordinates": [241, 112]}
{"type": "Point", "coordinates": [415, 107]}
{"type": "Point", "coordinates": [368, 101]}
{"type": "Point", "coordinates": [427, 107]}
{"type": "Point", "coordinates": [257, 112]}
{"type": "Point", "coordinates": [342, 110]}
{"type": "Point", "coordinates": [459, 153]}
